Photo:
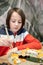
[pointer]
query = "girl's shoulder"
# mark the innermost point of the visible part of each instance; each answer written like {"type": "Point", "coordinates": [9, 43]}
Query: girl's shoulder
{"type": "Point", "coordinates": [23, 30]}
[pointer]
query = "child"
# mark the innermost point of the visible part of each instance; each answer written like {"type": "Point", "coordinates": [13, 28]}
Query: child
{"type": "Point", "coordinates": [22, 39]}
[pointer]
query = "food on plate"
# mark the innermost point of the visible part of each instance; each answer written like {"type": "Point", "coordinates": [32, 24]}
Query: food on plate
{"type": "Point", "coordinates": [25, 54]}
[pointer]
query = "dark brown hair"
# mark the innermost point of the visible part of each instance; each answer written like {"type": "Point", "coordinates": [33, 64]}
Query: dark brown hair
{"type": "Point", "coordinates": [19, 11]}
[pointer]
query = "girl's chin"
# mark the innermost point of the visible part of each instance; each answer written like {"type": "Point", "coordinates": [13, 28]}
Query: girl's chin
{"type": "Point", "coordinates": [14, 31]}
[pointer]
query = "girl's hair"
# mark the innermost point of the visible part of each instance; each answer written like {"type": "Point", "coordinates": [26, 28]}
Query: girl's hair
{"type": "Point", "coordinates": [19, 11]}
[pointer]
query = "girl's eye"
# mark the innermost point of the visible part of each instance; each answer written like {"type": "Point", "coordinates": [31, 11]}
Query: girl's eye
{"type": "Point", "coordinates": [19, 22]}
{"type": "Point", "coordinates": [13, 21]}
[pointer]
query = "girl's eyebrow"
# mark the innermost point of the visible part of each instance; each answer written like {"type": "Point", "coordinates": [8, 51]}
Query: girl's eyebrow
{"type": "Point", "coordinates": [12, 19]}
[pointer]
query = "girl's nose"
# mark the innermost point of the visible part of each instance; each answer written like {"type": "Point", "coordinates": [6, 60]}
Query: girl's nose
{"type": "Point", "coordinates": [16, 23]}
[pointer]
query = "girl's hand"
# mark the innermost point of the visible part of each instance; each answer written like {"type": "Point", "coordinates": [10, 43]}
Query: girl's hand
{"type": "Point", "coordinates": [5, 42]}
{"type": "Point", "coordinates": [13, 50]}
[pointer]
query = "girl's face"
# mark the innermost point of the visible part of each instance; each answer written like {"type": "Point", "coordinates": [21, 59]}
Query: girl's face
{"type": "Point", "coordinates": [15, 22]}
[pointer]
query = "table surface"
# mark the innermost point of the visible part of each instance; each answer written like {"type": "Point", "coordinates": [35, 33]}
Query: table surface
{"type": "Point", "coordinates": [3, 59]}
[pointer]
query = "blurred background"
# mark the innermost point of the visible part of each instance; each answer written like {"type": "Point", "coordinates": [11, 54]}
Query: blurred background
{"type": "Point", "coordinates": [33, 10]}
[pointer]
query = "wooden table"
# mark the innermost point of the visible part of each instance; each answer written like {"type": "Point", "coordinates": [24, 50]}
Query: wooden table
{"type": "Point", "coordinates": [4, 59]}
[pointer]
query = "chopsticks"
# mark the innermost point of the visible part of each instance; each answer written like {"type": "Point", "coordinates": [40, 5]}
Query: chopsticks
{"type": "Point", "coordinates": [8, 36]}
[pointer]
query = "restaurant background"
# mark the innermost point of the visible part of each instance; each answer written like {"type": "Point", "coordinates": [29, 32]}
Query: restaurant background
{"type": "Point", "coordinates": [33, 10]}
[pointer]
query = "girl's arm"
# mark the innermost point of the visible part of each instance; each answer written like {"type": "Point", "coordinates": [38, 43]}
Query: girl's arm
{"type": "Point", "coordinates": [31, 43]}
